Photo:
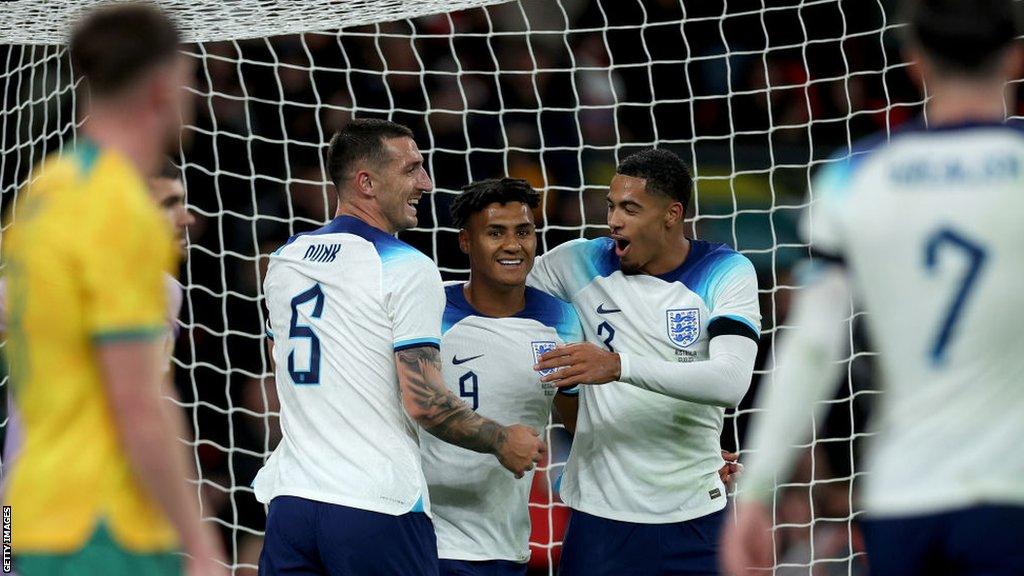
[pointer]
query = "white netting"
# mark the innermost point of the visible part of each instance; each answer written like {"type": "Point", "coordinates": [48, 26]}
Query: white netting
{"type": "Point", "coordinates": [754, 95]}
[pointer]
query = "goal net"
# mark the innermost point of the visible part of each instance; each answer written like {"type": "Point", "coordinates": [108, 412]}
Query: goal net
{"type": "Point", "coordinates": [755, 95]}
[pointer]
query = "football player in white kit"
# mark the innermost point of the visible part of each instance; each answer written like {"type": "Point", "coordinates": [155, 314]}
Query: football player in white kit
{"type": "Point", "coordinates": [672, 326]}
{"type": "Point", "coordinates": [494, 330]}
{"type": "Point", "coordinates": [924, 229]}
{"type": "Point", "coordinates": [355, 315]}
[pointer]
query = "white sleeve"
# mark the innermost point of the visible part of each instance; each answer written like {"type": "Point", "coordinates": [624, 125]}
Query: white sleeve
{"type": "Point", "coordinates": [551, 271]}
{"type": "Point", "coordinates": [735, 298]}
{"type": "Point", "coordinates": [821, 223]}
{"type": "Point", "coordinates": [804, 374]}
{"type": "Point", "coordinates": [414, 300]}
{"type": "Point", "coordinates": [722, 380]}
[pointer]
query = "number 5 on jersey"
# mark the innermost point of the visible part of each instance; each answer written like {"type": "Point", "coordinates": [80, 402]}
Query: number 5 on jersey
{"type": "Point", "coordinates": [297, 330]}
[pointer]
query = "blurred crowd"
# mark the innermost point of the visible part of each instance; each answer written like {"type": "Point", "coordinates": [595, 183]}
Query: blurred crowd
{"type": "Point", "coordinates": [753, 98]}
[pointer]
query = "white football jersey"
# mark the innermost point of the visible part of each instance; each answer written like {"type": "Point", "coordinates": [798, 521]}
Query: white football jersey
{"type": "Point", "coordinates": [930, 226]}
{"type": "Point", "coordinates": [639, 456]}
{"type": "Point", "coordinates": [342, 300]}
{"type": "Point", "coordinates": [480, 509]}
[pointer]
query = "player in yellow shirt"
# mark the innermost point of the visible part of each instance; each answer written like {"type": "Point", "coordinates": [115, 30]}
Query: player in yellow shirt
{"type": "Point", "coordinates": [100, 484]}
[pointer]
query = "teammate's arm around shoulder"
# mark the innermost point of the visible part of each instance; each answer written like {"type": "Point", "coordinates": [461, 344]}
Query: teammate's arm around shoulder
{"type": "Point", "coordinates": [430, 403]}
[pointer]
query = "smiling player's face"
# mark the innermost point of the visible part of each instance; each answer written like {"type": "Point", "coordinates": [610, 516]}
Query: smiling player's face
{"type": "Point", "coordinates": [637, 220]}
{"type": "Point", "coordinates": [403, 181]}
{"type": "Point", "coordinates": [501, 242]}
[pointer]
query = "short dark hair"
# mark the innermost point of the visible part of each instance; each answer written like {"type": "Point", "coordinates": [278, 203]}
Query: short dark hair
{"type": "Point", "coordinates": [361, 139]}
{"type": "Point", "coordinates": [478, 195]}
{"type": "Point", "coordinates": [113, 46]}
{"type": "Point", "coordinates": [964, 37]}
{"type": "Point", "coordinates": [665, 173]}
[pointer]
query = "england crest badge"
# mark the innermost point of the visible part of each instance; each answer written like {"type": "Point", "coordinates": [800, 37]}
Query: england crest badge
{"type": "Point", "coordinates": [539, 349]}
{"type": "Point", "coordinates": [683, 326]}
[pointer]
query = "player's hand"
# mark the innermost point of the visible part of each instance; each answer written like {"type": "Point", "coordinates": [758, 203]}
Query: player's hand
{"type": "Point", "coordinates": [731, 470]}
{"type": "Point", "coordinates": [521, 450]}
{"type": "Point", "coordinates": [746, 548]}
{"type": "Point", "coordinates": [206, 553]}
{"type": "Point", "coordinates": [581, 363]}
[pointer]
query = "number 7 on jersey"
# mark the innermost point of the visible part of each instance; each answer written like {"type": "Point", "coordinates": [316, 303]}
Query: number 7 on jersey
{"type": "Point", "coordinates": [975, 255]}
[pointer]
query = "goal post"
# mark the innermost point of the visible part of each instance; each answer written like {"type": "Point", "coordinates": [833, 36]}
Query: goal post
{"type": "Point", "coordinates": [755, 96]}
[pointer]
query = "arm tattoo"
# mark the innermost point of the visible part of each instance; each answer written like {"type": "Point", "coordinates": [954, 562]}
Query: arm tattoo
{"type": "Point", "coordinates": [446, 416]}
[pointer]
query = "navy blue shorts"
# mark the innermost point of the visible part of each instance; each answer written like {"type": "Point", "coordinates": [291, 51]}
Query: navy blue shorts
{"type": "Point", "coordinates": [978, 541]}
{"type": "Point", "coordinates": [306, 538]}
{"type": "Point", "coordinates": [597, 546]}
{"type": "Point", "coordinates": [481, 568]}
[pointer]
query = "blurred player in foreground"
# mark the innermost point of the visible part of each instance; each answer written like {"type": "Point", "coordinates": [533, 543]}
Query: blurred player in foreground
{"type": "Point", "coordinates": [356, 318]}
{"type": "Point", "coordinates": [927, 227]}
{"type": "Point", "coordinates": [677, 321]}
{"type": "Point", "coordinates": [100, 485]}
{"type": "Point", "coordinates": [167, 191]}
{"type": "Point", "coordinates": [494, 330]}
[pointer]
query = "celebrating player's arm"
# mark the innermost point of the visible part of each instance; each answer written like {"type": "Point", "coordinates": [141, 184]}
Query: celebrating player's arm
{"type": "Point", "coordinates": [805, 373]}
{"type": "Point", "coordinates": [672, 326]}
{"type": "Point", "coordinates": [721, 380]}
{"type": "Point", "coordinates": [431, 404]}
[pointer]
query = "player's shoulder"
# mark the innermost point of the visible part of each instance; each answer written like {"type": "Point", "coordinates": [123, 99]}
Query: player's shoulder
{"type": "Point", "coordinates": [837, 173]}
{"type": "Point", "coordinates": [456, 307]}
{"type": "Point", "coordinates": [588, 258]}
{"type": "Point", "coordinates": [389, 249]}
{"type": "Point", "coordinates": [545, 308]}
{"type": "Point", "coordinates": [843, 165]}
{"type": "Point", "coordinates": [707, 258]}
{"type": "Point", "coordinates": [709, 266]}
{"type": "Point", "coordinates": [552, 312]}
{"type": "Point", "coordinates": [540, 307]}
{"type": "Point", "coordinates": [98, 178]}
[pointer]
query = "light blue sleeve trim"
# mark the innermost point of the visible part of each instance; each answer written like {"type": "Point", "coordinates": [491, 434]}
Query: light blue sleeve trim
{"type": "Point", "coordinates": [418, 506]}
{"type": "Point", "coordinates": [570, 329]}
{"type": "Point", "coordinates": [269, 332]}
{"type": "Point", "coordinates": [737, 318]}
{"type": "Point", "coordinates": [573, 391]}
{"type": "Point", "coordinates": [414, 342]}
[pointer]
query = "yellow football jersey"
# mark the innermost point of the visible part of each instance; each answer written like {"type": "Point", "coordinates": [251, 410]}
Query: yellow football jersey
{"type": "Point", "coordinates": [85, 264]}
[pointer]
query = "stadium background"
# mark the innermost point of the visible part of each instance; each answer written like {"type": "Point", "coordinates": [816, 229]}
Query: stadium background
{"type": "Point", "coordinates": [753, 94]}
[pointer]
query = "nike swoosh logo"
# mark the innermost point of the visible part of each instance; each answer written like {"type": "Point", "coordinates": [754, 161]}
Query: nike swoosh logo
{"type": "Point", "coordinates": [602, 310]}
{"type": "Point", "coordinates": [456, 360]}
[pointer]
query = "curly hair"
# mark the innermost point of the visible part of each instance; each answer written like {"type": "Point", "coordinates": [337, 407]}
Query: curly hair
{"type": "Point", "coordinates": [478, 195]}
